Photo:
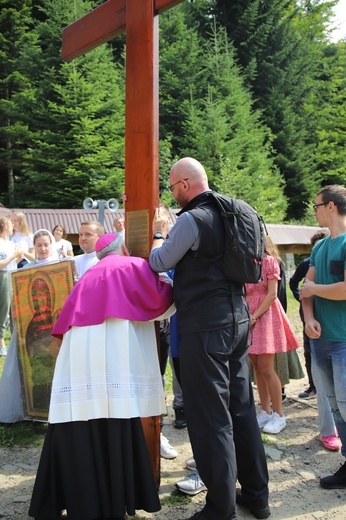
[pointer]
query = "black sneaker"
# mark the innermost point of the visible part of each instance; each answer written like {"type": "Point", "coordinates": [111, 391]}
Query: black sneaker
{"type": "Point", "coordinates": [336, 481]}
{"type": "Point", "coordinates": [180, 421]}
{"type": "Point", "coordinates": [283, 394]}
{"type": "Point", "coordinates": [309, 393]}
{"type": "Point", "coordinates": [256, 510]}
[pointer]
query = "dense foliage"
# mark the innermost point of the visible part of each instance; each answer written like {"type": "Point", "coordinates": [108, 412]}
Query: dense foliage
{"type": "Point", "coordinates": [254, 89]}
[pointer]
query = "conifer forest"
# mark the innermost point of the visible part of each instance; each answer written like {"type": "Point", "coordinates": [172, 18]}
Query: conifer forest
{"type": "Point", "coordinates": [253, 89]}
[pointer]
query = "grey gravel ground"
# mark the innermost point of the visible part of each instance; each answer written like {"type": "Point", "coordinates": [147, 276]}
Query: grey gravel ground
{"type": "Point", "coordinates": [296, 461]}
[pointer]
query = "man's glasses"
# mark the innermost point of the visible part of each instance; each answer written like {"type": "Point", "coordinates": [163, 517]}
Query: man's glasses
{"type": "Point", "coordinates": [315, 206]}
{"type": "Point", "coordinates": [171, 187]}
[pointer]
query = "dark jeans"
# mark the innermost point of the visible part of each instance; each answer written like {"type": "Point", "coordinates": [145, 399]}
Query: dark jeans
{"type": "Point", "coordinates": [22, 263]}
{"type": "Point", "coordinates": [221, 417]}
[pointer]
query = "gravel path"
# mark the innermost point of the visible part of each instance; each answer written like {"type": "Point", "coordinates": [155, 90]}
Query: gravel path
{"type": "Point", "coordinates": [296, 461]}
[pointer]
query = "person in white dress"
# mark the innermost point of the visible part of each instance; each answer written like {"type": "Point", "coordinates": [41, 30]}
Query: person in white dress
{"type": "Point", "coordinates": [119, 226]}
{"type": "Point", "coordinates": [11, 392]}
{"type": "Point", "coordinates": [64, 247]}
{"type": "Point", "coordinates": [22, 237]}
{"type": "Point", "coordinates": [9, 256]}
{"type": "Point", "coordinates": [45, 250]}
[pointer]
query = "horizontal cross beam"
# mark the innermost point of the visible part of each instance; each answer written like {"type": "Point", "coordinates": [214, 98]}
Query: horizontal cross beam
{"type": "Point", "coordinates": [99, 26]}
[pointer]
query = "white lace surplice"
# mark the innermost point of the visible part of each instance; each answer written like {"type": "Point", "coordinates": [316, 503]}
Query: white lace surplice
{"type": "Point", "coordinates": [109, 370]}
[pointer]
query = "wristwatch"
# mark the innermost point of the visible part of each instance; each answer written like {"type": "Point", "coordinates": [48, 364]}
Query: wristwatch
{"type": "Point", "coordinates": [157, 236]}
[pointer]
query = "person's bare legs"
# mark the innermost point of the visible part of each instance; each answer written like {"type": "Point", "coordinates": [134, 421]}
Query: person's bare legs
{"type": "Point", "coordinates": [268, 382]}
{"type": "Point", "coordinates": [261, 385]}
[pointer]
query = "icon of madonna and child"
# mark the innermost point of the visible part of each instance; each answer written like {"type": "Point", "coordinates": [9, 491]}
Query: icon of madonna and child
{"type": "Point", "coordinates": [39, 292]}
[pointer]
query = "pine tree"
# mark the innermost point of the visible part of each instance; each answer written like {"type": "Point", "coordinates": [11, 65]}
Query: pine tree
{"type": "Point", "coordinates": [180, 73]}
{"type": "Point", "coordinates": [329, 110]}
{"type": "Point", "coordinates": [226, 133]}
{"type": "Point", "coordinates": [16, 33]}
{"type": "Point", "coordinates": [279, 46]}
{"type": "Point", "coordinates": [75, 146]}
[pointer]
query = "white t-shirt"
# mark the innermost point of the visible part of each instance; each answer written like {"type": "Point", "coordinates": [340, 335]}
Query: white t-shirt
{"type": "Point", "coordinates": [22, 242]}
{"type": "Point", "coordinates": [66, 244]}
{"type": "Point", "coordinates": [7, 249]}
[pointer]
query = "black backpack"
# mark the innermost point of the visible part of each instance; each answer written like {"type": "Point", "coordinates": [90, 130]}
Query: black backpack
{"type": "Point", "coordinates": [244, 244]}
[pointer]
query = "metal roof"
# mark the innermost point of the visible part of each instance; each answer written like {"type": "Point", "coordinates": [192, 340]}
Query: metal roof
{"type": "Point", "coordinates": [71, 219]}
{"type": "Point", "coordinates": [284, 235]}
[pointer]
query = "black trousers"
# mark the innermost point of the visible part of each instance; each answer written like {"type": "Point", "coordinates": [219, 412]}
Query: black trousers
{"type": "Point", "coordinates": [164, 345]}
{"type": "Point", "coordinates": [221, 419]}
{"type": "Point", "coordinates": [307, 356]}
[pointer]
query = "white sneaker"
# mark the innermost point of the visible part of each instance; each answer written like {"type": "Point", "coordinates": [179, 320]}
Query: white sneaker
{"type": "Point", "coordinates": [191, 464]}
{"type": "Point", "coordinates": [166, 450]}
{"type": "Point", "coordinates": [3, 350]}
{"type": "Point", "coordinates": [262, 418]}
{"type": "Point", "coordinates": [191, 485]}
{"type": "Point", "coordinates": [275, 424]}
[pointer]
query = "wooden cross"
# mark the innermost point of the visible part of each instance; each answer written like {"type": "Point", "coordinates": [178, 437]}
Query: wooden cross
{"type": "Point", "coordinates": [139, 18]}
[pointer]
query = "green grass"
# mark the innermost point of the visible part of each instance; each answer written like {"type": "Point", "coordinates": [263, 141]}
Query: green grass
{"type": "Point", "coordinates": [293, 312]}
{"type": "Point", "coordinates": [22, 434]}
{"type": "Point", "coordinates": [292, 303]}
{"type": "Point", "coordinates": [2, 362]}
{"type": "Point", "coordinates": [168, 380]}
{"type": "Point", "coordinates": [175, 498]}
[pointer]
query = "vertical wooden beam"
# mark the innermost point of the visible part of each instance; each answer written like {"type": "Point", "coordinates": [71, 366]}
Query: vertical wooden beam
{"type": "Point", "coordinates": [141, 153]}
{"type": "Point", "coordinates": [140, 19]}
{"type": "Point", "coordinates": [142, 124]}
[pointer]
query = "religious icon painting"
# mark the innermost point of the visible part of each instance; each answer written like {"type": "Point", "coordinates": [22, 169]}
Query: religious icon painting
{"type": "Point", "coordinates": [39, 293]}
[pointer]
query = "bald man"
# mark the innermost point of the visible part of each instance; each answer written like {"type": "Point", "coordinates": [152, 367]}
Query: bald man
{"type": "Point", "coordinates": [218, 399]}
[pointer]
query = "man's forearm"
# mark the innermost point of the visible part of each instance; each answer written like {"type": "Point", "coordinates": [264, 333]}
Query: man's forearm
{"type": "Point", "coordinates": [335, 291]}
{"type": "Point", "coordinates": [308, 308]}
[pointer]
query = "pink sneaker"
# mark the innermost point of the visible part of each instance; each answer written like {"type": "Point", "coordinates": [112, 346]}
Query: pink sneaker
{"type": "Point", "coordinates": [332, 442]}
